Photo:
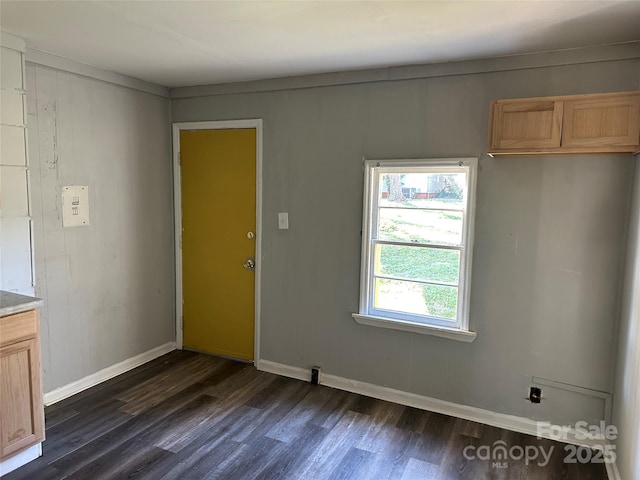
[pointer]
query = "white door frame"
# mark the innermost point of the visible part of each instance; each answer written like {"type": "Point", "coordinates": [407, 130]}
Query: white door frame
{"type": "Point", "coordinates": [177, 207]}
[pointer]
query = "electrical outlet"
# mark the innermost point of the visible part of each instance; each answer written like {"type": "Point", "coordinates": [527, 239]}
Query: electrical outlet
{"type": "Point", "coordinates": [315, 375]}
{"type": "Point", "coordinates": [535, 394]}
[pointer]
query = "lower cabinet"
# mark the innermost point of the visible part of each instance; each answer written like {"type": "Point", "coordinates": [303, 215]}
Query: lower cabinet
{"type": "Point", "coordinates": [21, 402]}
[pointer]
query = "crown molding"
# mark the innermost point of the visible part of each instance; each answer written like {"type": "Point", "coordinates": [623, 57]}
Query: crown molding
{"type": "Point", "coordinates": [9, 40]}
{"type": "Point", "coordinates": [599, 53]}
{"type": "Point", "coordinates": [40, 57]}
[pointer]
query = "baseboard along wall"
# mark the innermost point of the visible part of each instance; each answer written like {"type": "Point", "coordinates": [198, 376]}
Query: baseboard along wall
{"type": "Point", "coordinates": [487, 417]}
{"type": "Point", "coordinates": [106, 373]}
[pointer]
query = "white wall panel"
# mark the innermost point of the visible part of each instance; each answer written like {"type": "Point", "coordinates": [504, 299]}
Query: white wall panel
{"type": "Point", "coordinates": [10, 69]}
{"type": "Point", "coordinates": [16, 270]}
{"type": "Point", "coordinates": [13, 192]}
{"type": "Point", "coordinates": [11, 112]}
{"type": "Point", "coordinates": [15, 250]}
{"type": "Point", "coordinates": [12, 145]}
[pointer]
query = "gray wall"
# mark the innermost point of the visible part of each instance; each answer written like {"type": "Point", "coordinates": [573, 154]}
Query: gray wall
{"type": "Point", "coordinates": [549, 244]}
{"type": "Point", "coordinates": [627, 392]}
{"type": "Point", "coordinates": [108, 288]}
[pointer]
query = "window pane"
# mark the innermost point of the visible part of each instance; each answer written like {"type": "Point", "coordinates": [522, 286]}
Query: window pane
{"type": "Point", "coordinates": [442, 301]}
{"type": "Point", "coordinates": [418, 263]}
{"type": "Point", "coordinates": [416, 298]}
{"type": "Point", "coordinates": [434, 190]}
{"type": "Point", "coordinates": [424, 226]}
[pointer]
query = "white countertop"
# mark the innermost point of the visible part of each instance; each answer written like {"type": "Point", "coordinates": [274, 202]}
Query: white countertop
{"type": "Point", "coordinates": [11, 303]}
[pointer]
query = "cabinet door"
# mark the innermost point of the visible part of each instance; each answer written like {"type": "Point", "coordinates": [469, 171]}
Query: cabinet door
{"type": "Point", "coordinates": [528, 124]}
{"type": "Point", "coordinates": [602, 121]}
{"type": "Point", "coordinates": [22, 419]}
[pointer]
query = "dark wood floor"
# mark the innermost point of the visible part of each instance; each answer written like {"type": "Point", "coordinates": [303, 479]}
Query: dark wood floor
{"type": "Point", "coordinates": [191, 416]}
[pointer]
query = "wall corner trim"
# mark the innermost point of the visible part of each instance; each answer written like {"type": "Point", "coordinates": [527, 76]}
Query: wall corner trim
{"type": "Point", "coordinates": [8, 40]}
{"type": "Point", "coordinates": [487, 417]}
{"type": "Point", "coordinates": [612, 471]}
{"type": "Point", "coordinates": [51, 60]}
{"type": "Point", "coordinates": [106, 373]}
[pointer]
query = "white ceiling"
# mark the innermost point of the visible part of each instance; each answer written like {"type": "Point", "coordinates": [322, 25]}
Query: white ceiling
{"type": "Point", "coordinates": [179, 43]}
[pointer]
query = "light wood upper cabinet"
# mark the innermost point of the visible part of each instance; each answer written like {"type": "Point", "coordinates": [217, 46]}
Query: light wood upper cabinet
{"type": "Point", "coordinates": [598, 123]}
{"type": "Point", "coordinates": [525, 124]}
{"type": "Point", "coordinates": [21, 405]}
{"type": "Point", "coordinates": [601, 121]}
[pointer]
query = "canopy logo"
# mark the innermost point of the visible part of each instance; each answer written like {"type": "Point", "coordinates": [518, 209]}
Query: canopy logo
{"type": "Point", "coordinates": [499, 454]}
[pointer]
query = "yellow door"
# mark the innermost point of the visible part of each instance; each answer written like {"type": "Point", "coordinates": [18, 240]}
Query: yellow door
{"type": "Point", "coordinates": [218, 237]}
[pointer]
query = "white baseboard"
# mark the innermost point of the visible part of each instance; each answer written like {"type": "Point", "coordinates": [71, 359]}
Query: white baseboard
{"type": "Point", "coordinates": [106, 373]}
{"type": "Point", "coordinates": [487, 417]}
{"type": "Point", "coordinates": [19, 459]}
{"type": "Point", "coordinates": [612, 471]}
{"type": "Point", "coordinates": [287, 371]}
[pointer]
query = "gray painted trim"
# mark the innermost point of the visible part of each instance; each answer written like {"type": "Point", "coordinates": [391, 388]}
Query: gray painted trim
{"type": "Point", "coordinates": [572, 56]}
{"type": "Point", "coordinates": [51, 60]}
{"type": "Point", "coordinates": [303, 81]}
{"type": "Point", "coordinates": [8, 40]}
{"type": "Point", "coordinates": [600, 53]}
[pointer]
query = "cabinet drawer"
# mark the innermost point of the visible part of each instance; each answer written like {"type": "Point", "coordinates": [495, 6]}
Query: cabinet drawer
{"type": "Point", "coordinates": [18, 327]}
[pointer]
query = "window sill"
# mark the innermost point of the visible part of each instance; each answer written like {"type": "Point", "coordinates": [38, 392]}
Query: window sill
{"type": "Point", "coordinates": [413, 327]}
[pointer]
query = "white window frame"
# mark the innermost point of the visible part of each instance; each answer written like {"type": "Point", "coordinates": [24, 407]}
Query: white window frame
{"type": "Point", "coordinates": [368, 314]}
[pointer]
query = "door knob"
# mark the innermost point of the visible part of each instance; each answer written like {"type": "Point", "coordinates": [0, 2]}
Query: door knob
{"type": "Point", "coordinates": [250, 263]}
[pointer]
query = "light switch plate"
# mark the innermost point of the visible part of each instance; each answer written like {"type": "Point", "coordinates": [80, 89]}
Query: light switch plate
{"type": "Point", "coordinates": [75, 206]}
{"type": "Point", "coordinates": [283, 220]}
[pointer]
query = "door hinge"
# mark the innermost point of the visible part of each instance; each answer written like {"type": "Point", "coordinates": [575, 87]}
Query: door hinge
{"type": "Point", "coordinates": [181, 323]}
{"type": "Point", "coordinates": [179, 158]}
{"type": "Point", "coordinates": [180, 241]}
